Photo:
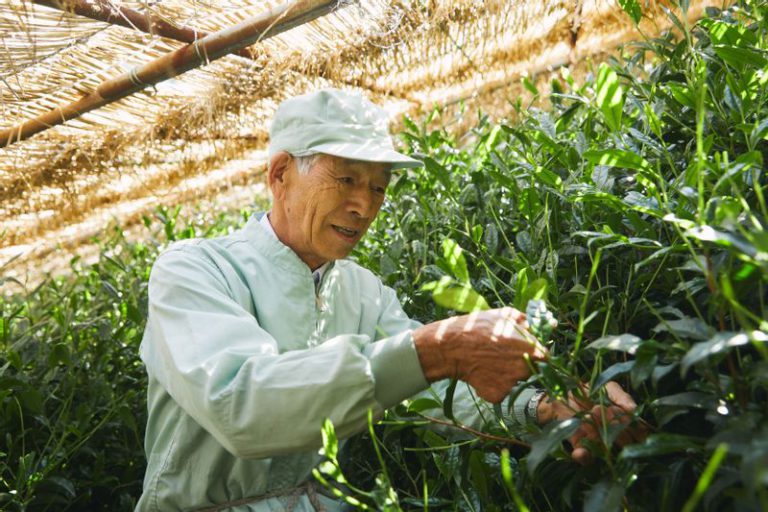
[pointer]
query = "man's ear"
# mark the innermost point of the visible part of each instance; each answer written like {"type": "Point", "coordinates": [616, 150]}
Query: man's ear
{"type": "Point", "coordinates": [278, 166]}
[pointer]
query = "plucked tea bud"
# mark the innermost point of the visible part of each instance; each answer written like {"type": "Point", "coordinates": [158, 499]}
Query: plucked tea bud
{"type": "Point", "coordinates": [541, 321]}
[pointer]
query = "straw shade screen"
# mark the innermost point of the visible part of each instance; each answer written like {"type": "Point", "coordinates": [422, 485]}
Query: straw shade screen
{"type": "Point", "coordinates": [202, 133]}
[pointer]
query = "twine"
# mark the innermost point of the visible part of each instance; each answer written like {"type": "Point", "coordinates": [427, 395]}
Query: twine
{"type": "Point", "coordinates": [308, 488]}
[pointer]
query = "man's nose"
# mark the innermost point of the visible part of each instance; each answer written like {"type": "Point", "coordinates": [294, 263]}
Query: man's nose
{"type": "Point", "coordinates": [361, 202]}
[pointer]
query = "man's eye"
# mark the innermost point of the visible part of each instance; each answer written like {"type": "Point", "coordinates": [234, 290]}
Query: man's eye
{"type": "Point", "coordinates": [380, 190]}
{"type": "Point", "coordinates": [347, 180]}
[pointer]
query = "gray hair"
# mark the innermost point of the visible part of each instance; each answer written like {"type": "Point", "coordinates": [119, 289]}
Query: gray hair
{"type": "Point", "coordinates": [305, 163]}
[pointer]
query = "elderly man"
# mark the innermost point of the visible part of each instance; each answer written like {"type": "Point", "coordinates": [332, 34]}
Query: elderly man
{"type": "Point", "coordinates": [254, 338]}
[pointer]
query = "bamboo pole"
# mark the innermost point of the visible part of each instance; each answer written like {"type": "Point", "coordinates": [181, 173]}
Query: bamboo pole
{"type": "Point", "coordinates": [108, 12]}
{"type": "Point", "coordinates": [199, 53]}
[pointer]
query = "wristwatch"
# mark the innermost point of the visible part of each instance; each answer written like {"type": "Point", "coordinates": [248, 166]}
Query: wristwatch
{"type": "Point", "coordinates": [520, 405]}
{"type": "Point", "coordinates": [532, 410]}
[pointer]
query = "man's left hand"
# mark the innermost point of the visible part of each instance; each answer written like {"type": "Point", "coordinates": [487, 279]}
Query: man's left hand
{"type": "Point", "coordinates": [619, 411]}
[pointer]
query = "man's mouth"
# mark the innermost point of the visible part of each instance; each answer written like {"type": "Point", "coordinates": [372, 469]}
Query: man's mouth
{"type": "Point", "coordinates": [347, 232]}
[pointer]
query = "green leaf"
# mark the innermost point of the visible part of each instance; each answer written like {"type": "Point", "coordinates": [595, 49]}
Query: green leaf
{"type": "Point", "coordinates": [722, 32]}
{"type": "Point", "coordinates": [453, 255]}
{"type": "Point", "coordinates": [622, 342]}
{"type": "Point", "coordinates": [330, 442]}
{"type": "Point", "coordinates": [645, 362]}
{"type": "Point", "coordinates": [720, 342]}
{"type": "Point", "coordinates": [478, 471]}
{"type": "Point", "coordinates": [654, 123]}
{"type": "Point", "coordinates": [506, 474]}
{"type": "Point", "coordinates": [548, 177]}
{"type": "Point", "coordinates": [529, 86]}
{"type": "Point", "coordinates": [632, 8]}
{"type": "Point", "coordinates": [605, 496]}
{"type": "Point", "coordinates": [706, 477]}
{"type": "Point", "coordinates": [688, 328]}
{"type": "Point", "coordinates": [56, 485]}
{"type": "Point", "coordinates": [661, 444]}
{"type": "Point", "coordinates": [457, 296]}
{"type": "Point", "coordinates": [438, 171]}
{"type": "Point", "coordinates": [551, 437]}
{"type": "Point", "coordinates": [423, 404]}
{"type": "Point", "coordinates": [611, 372]}
{"type": "Point", "coordinates": [740, 58]}
{"type": "Point", "coordinates": [448, 400]}
{"type": "Point", "coordinates": [722, 238]}
{"type": "Point", "coordinates": [610, 96]}
{"type": "Point", "coordinates": [687, 400]}
{"type": "Point", "coordinates": [682, 94]}
{"type": "Point", "coordinates": [617, 158]}
{"type": "Point", "coordinates": [491, 238]}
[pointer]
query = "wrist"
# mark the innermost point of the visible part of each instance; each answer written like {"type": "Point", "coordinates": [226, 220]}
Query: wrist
{"type": "Point", "coordinates": [433, 363]}
{"type": "Point", "coordinates": [550, 410]}
{"type": "Point", "coordinates": [545, 411]}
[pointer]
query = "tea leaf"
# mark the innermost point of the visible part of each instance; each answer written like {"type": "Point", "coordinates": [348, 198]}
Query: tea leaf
{"type": "Point", "coordinates": [610, 95]}
{"type": "Point", "coordinates": [617, 158]}
{"type": "Point", "coordinates": [660, 444]}
{"type": "Point", "coordinates": [622, 342]}
{"type": "Point", "coordinates": [551, 437]}
{"type": "Point", "coordinates": [632, 8]}
{"type": "Point", "coordinates": [689, 328]}
{"type": "Point", "coordinates": [611, 372]}
{"type": "Point", "coordinates": [604, 496]}
{"type": "Point", "coordinates": [719, 343]}
{"type": "Point", "coordinates": [453, 255]}
{"type": "Point", "coordinates": [330, 442]}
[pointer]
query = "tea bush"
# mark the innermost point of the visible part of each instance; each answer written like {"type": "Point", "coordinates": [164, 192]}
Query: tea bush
{"type": "Point", "coordinates": [72, 388]}
{"type": "Point", "coordinates": [633, 211]}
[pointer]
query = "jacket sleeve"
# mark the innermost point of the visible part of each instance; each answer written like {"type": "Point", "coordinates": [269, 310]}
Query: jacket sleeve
{"type": "Point", "coordinates": [468, 408]}
{"type": "Point", "coordinates": [225, 371]}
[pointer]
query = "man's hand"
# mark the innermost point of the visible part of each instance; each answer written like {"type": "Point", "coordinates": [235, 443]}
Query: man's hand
{"type": "Point", "coordinates": [619, 412]}
{"type": "Point", "coordinates": [484, 349]}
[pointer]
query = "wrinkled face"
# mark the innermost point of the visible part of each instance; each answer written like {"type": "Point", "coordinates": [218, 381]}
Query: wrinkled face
{"type": "Point", "coordinates": [329, 209]}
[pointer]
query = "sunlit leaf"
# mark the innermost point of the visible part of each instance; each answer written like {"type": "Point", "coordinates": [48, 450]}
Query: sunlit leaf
{"type": "Point", "coordinates": [722, 238]}
{"type": "Point", "coordinates": [739, 57]}
{"type": "Point", "coordinates": [622, 342]}
{"type": "Point", "coordinates": [689, 328]}
{"type": "Point", "coordinates": [454, 295]}
{"type": "Point", "coordinates": [453, 254]}
{"type": "Point", "coordinates": [610, 96]}
{"type": "Point", "coordinates": [617, 158]}
{"type": "Point", "coordinates": [687, 399]}
{"type": "Point", "coordinates": [719, 343]}
{"type": "Point", "coordinates": [330, 442]}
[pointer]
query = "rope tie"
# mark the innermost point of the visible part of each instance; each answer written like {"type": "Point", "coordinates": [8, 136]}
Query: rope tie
{"type": "Point", "coordinates": [202, 55]}
{"type": "Point", "coordinates": [134, 76]}
{"type": "Point", "coordinates": [308, 488]}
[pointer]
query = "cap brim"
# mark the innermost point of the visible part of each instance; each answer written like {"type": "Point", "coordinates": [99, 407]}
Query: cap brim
{"type": "Point", "coordinates": [367, 153]}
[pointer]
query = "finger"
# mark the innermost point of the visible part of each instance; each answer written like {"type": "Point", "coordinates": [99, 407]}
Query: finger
{"type": "Point", "coordinates": [538, 351]}
{"type": "Point", "coordinates": [620, 397]}
{"type": "Point", "coordinates": [618, 419]}
{"type": "Point", "coordinates": [639, 431]}
{"type": "Point", "coordinates": [580, 403]}
{"type": "Point", "coordinates": [585, 431]}
{"type": "Point", "coordinates": [581, 456]}
{"type": "Point", "coordinates": [512, 314]}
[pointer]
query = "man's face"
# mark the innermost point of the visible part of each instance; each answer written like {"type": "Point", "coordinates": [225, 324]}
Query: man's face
{"type": "Point", "coordinates": [329, 209]}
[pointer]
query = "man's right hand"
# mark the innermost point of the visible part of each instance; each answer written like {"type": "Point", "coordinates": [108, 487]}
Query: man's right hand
{"type": "Point", "coordinates": [485, 349]}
